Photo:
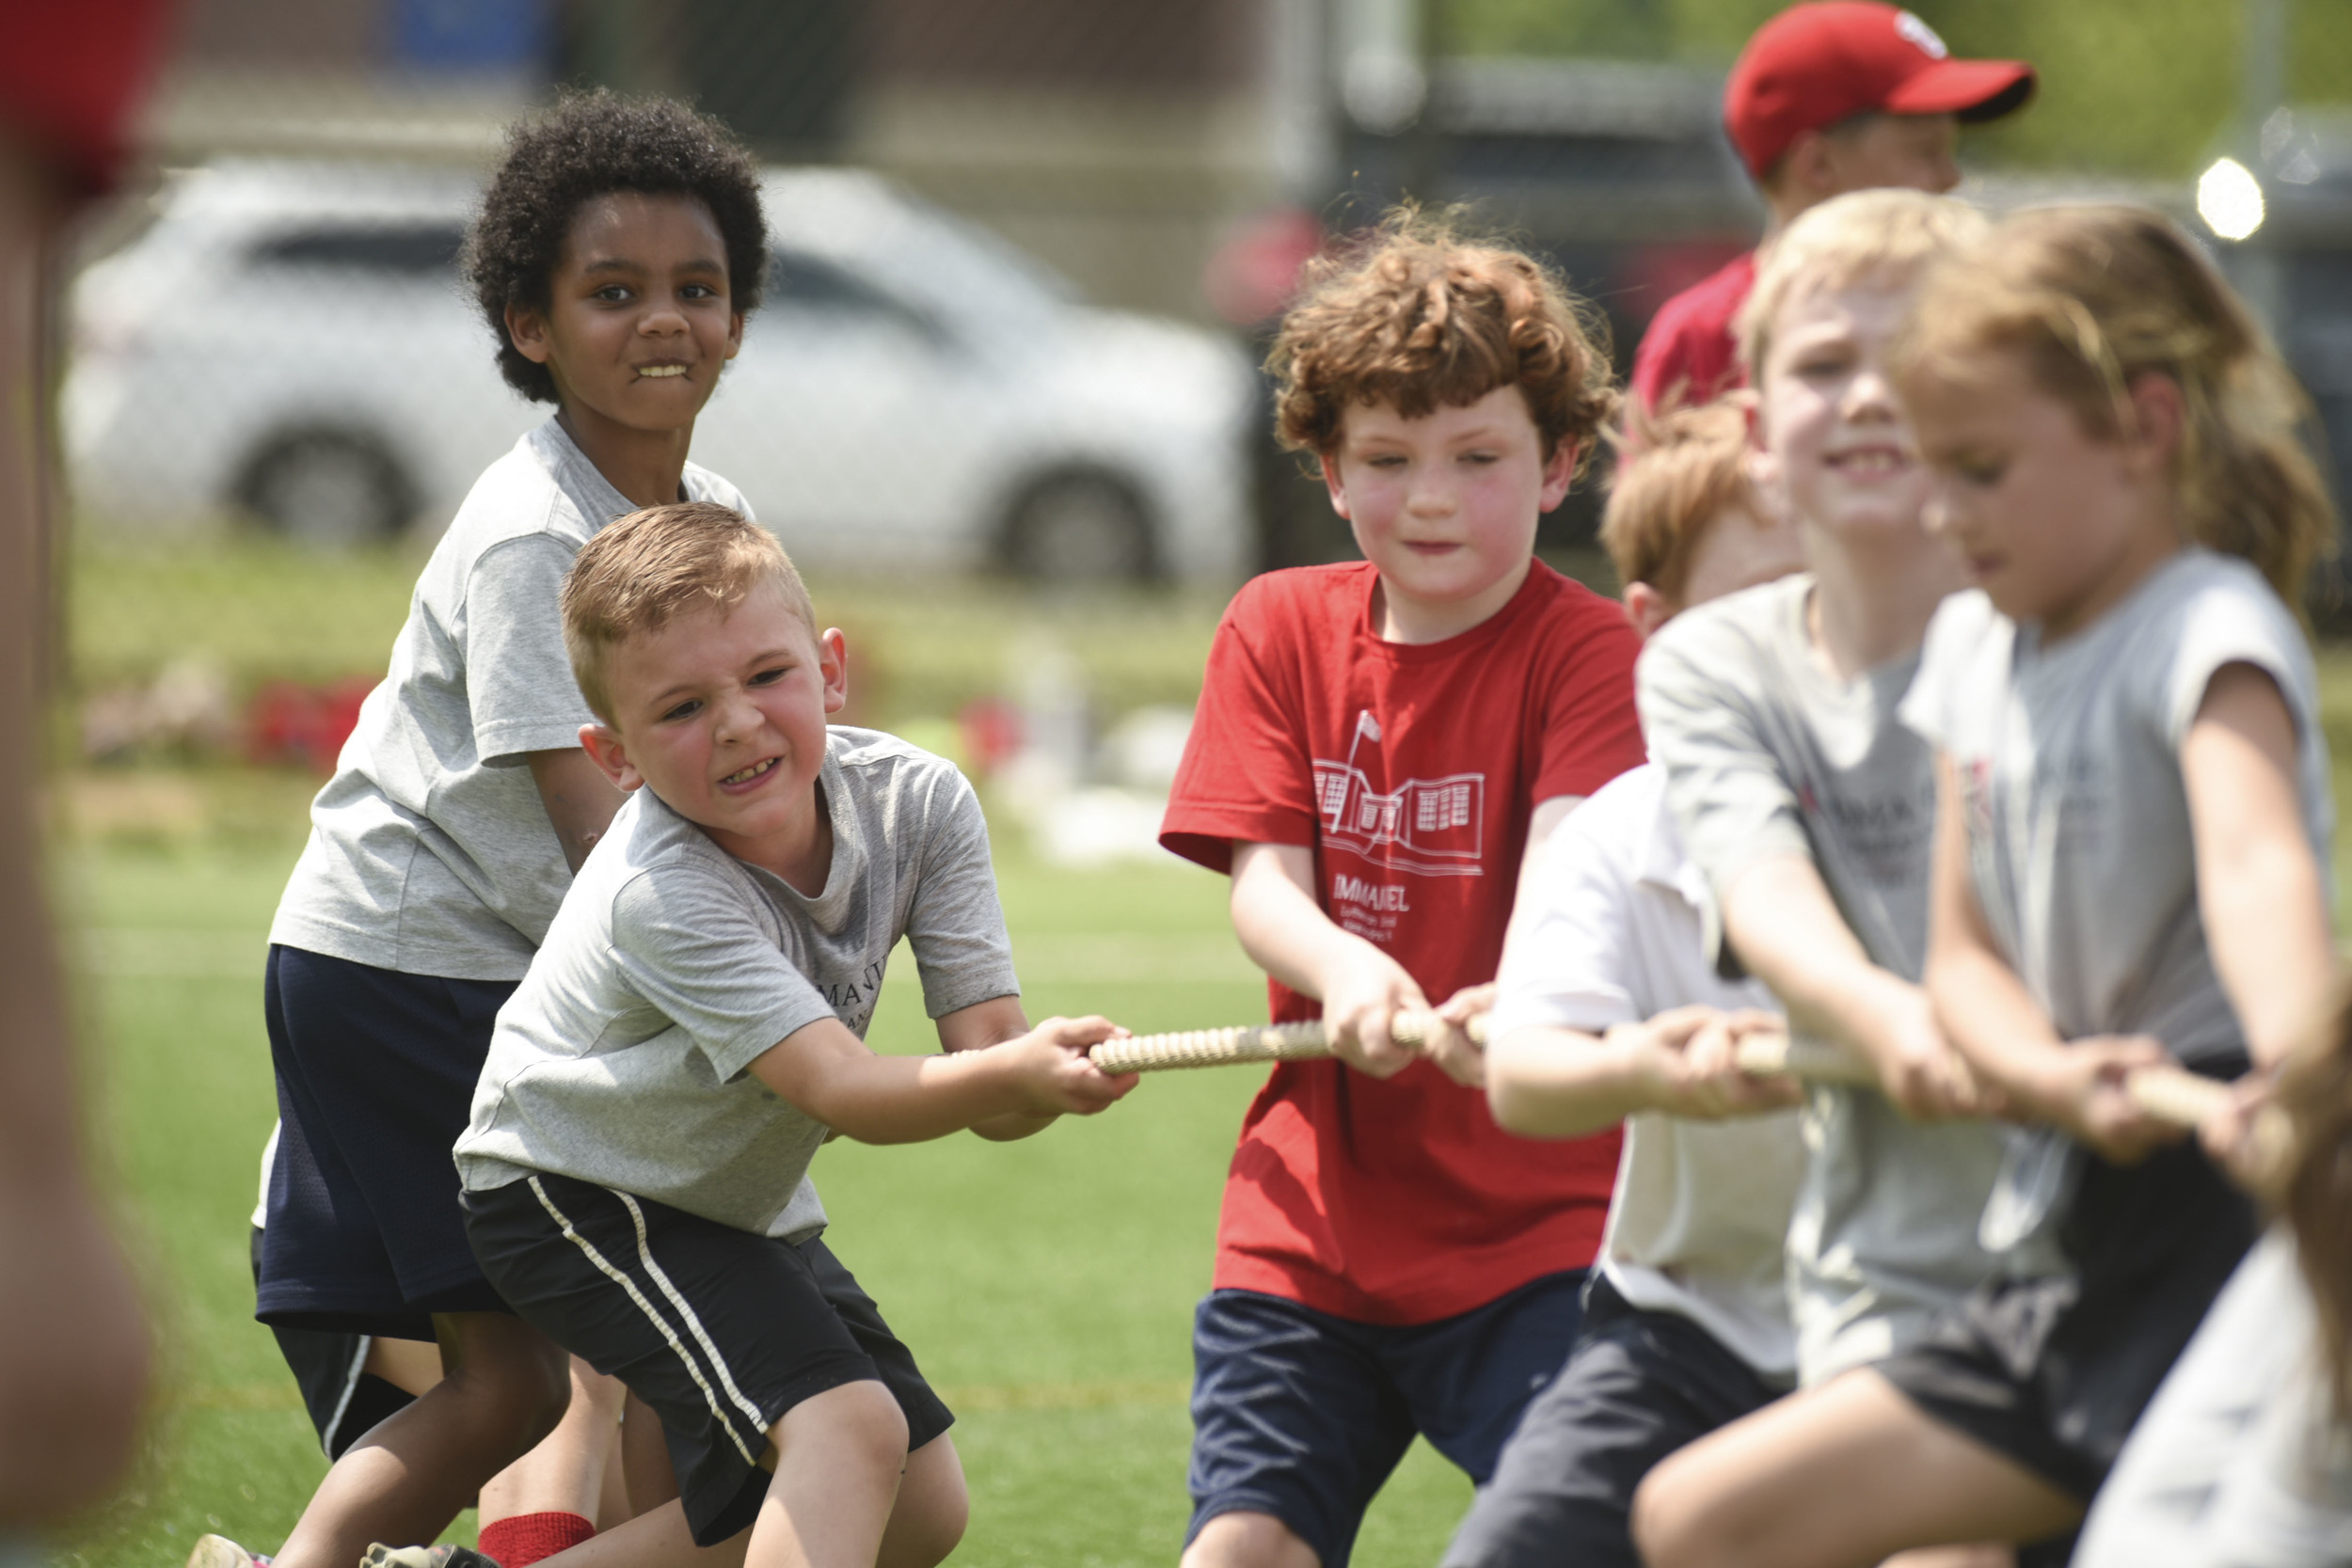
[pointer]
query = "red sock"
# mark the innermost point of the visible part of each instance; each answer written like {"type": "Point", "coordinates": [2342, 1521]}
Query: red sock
{"type": "Point", "coordinates": [523, 1540]}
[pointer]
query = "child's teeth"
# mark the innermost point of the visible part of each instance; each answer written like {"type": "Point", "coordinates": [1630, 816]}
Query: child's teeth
{"type": "Point", "coordinates": [661, 370]}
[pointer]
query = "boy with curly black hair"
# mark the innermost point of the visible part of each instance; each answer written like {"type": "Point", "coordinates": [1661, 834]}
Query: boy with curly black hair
{"type": "Point", "coordinates": [619, 250]}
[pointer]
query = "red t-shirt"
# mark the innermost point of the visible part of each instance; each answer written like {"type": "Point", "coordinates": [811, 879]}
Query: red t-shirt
{"type": "Point", "coordinates": [1689, 353]}
{"type": "Point", "coordinates": [1412, 771]}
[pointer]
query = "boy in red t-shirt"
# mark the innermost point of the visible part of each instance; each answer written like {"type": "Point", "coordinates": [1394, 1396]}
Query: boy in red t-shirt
{"type": "Point", "coordinates": [1378, 749]}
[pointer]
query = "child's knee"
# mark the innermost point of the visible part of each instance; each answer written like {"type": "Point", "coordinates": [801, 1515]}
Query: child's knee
{"type": "Point", "coordinates": [933, 1508]}
{"type": "Point", "coordinates": [857, 1419]}
{"type": "Point", "coordinates": [1671, 1525]}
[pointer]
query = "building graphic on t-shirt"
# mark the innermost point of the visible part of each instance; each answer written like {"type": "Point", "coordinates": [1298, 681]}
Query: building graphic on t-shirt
{"type": "Point", "coordinates": [1432, 826]}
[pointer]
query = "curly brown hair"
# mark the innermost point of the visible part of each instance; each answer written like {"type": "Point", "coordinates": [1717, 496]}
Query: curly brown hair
{"type": "Point", "coordinates": [591, 143]}
{"type": "Point", "coordinates": [1418, 317]}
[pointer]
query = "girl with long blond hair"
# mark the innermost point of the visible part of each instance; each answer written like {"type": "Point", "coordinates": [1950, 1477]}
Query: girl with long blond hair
{"type": "Point", "coordinates": [2133, 819]}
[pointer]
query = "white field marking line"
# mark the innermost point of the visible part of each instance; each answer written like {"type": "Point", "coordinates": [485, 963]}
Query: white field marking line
{"type": "Point", "coordinates": [710, 1395]}
{"type": "Point", "coordinates": [693, 1323]}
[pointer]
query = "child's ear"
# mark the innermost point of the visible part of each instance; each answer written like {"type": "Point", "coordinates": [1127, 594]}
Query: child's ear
{"type": "Point", "coordinates": [833, 663]}
{"type": "Point", "coordinates": [735, 334]}
{"type": "Point", "coordinates": [526, 329]}
{"type": "Point", "coordinates": [1331, 481]}
{"type": "Point", "coordinates": [605, 748]}
{"type": "Point", "coordinates": [2159, 416]}
{"type": "Point", "coordinates": [1647, 608]}
{"type": "Point", "coordinates": [1559, 474]}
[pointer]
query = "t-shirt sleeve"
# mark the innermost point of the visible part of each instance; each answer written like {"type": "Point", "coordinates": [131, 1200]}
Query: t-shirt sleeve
{"type": "Point", "coordinates": [519, 679]}
{"type": "Point", "coordinates": [1727, 789]}
{"type": "Point", "coordinates": [1565, 967]}
{"type": "Point", "coordinates": [955, 925]}
{"type": "Point", "coordinates": [1660, 361]}
{"type": "Point", "coordinates": [2234, 621]}
{"type": "Point", "coordinates": [689, 944]}
{"type": "Point", "coordinates": [704, 486]}
{"type": "Point", "coordinates": [1246, 772]}
{"type": "Point", "coordinates": [1592, 726]}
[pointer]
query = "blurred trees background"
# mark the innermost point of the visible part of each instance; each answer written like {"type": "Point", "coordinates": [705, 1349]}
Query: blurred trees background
{"type": "Point", "coordinates": [2144, 87]}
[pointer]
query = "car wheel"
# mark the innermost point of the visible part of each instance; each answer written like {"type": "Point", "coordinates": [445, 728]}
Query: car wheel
{"type": "Point", "coordinates": [328, 490]}
{"type": "Point", "coordinates": [1080, 527]}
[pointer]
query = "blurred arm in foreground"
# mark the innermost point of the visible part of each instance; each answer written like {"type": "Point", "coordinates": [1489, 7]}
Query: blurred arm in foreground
{"type": "Point", "coordinates": [74, 1345]}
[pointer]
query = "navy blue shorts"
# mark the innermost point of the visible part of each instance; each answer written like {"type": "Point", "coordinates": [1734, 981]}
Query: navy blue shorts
{"type": "Point", "coordinates": [719, 1330]}
{"type": "Point", "coordinates": [1301, 1415]}
{"type": "Point", "coordinates": [330, 1367]}
{"type": "Point", "coordinates": [1640, 1386]}
{"type": "Point", "coordinates": [375, 1080]}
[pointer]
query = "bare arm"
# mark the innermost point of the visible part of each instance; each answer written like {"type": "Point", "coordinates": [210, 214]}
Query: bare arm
{"type": "Point", "coordinates": [1551, 1083]}
{"type": "Point", "coordinates": [579, 800]}
{"type": "Point", "coordinates": [976, 1028]}
{"type": "Point", "coordinates": [1780, 919]}
{"type": "Point", "coordinates": [1285, 932]}
{"type": "Point", "coordinates": [826, 1071]}
{"type": "Point", "coordinates": [1995, 1025]}
{"type": "Point", "coordinates": [2258, 885]}
{"type": "Point", "coordinates": [76, 1350]}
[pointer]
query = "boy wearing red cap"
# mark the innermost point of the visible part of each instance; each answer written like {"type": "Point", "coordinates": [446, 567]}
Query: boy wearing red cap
{"type": "Point", "coordinates": [1830, 97]}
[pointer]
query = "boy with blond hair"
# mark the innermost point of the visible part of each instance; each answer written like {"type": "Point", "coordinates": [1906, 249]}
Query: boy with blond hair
{"type": "Point", "coordinates": [1378, 747]}
{"type": "Point", "coordinates": [1610, 1009]}
{"type": "Point", "coordinates": [635, 1171]}
{"type": "Point", "coordinates": [1810, 807]}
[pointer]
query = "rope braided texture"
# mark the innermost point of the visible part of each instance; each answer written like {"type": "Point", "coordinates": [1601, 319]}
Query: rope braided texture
{"type": "Point", "coordinates": [1262, 1042]}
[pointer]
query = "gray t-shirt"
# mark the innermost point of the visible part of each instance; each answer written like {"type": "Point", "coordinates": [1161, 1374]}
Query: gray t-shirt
{"type": "Point", "coordinates": [622, 1058]}
{"type": "Point", "coordinates": [430, 852]}
{"type": "Point", "coordinates": [1767, 754]}
{"type": "Point", "coordinates": [2078, 831]}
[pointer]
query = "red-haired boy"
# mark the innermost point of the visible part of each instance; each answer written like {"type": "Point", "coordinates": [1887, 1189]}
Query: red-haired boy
{"type": "Point", "coordinates": [1379, 747]}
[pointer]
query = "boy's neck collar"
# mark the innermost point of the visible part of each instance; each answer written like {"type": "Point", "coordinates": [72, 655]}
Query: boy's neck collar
{"type": "Point", "coordinates": [1416, 624]}
{"type": "Point", "coordinates": [1868, 608]}
{"type": "Point", "coordinates": [647, 468]}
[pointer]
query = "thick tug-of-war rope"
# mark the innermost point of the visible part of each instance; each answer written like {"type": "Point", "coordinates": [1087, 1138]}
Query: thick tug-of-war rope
{"type": "Point", "coordinates": [1262, 1042]}
{"type": "Point", "coordinates": [2169, 1094]}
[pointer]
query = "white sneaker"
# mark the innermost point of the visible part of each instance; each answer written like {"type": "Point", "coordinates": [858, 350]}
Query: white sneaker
{"type": "Point", "coordinates": [219, 1551]}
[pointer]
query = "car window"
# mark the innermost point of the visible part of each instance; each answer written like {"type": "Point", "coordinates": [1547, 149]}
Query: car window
{"type": "Point", "coordinates": [795, 278]}
{"type": "Point", "coordinates": [418, 250]}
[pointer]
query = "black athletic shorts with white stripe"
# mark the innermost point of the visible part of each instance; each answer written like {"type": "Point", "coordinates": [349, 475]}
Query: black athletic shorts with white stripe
{"type": "Point", "coordinates": [719, 1330]}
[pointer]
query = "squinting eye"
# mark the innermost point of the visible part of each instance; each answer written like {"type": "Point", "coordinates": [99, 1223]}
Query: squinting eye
{"type": "Point", "coordinates": [683, 710]}
{"type": "Point", "coordinates": [770, 677]}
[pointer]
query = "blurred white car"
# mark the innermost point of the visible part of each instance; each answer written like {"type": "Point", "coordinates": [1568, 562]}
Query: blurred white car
{"type": "Point", "coordinates": [291, 342]}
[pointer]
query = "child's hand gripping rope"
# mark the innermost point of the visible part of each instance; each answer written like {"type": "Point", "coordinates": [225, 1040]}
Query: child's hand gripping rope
{"type": "Point", "coordinates": [2158, 1092]}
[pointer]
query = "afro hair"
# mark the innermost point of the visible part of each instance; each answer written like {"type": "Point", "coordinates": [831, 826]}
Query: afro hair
{"type": "Point", "coordinates": [591, 143]}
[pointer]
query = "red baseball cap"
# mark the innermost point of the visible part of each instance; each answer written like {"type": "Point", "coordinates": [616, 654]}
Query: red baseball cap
{"type": "Point", "coordinates": [1815, 65]}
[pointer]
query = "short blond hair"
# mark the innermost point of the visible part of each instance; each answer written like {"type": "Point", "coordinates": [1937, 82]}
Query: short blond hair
{"type": "Point", "coordinates": [661, 563]}
{"type": "Point", "coordinates": [1888, 235]}
{"type": "Point", "coordinates": [1680, 471]}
